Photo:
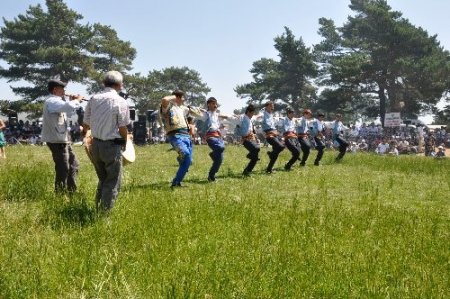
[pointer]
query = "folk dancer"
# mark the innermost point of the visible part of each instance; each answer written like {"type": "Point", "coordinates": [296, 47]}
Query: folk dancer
{"type": "Point", "coordinates": [272, 135]}
{"type": "Point", "coordinates": [337, 130]}
{"type": "Point", "coordinates": [56, 134]}
{"type": "Point", "coordinates": [303, 137]}
{"type": "Point", "coordinates": [249, 140]}
{"type": "Point", "coordinates": [173, 114]}
{"type": "Point", "coordinates": [107, 116]}
{"type": "Point", "coordinates": [214, 139]}
{"type": "Point", "coordinates": [317, 129]}
{"type": "Point", "coordinates": [290, 138]}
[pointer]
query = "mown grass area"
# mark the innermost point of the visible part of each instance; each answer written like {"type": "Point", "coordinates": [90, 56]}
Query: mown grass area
{"type": "Point", "coordinates": [369, 227]}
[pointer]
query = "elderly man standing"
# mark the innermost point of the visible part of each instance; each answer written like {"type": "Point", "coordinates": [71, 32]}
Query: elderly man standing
{"type": "Point", "coordinates": [56, 134]}
{"type": "Point", "coordinates": [173, 115]}
{"type": "Point", "coordinates": [107, 116]}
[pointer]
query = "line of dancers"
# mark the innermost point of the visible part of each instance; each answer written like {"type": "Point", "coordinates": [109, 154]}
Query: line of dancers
{"type": "Point", "coordinates": [295, 136]}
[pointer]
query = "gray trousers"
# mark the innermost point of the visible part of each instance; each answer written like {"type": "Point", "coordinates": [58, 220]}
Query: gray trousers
{"type": "Point", "coordinates": [107, 160]}
{"type": "Point", "coordinates": [66, 166]}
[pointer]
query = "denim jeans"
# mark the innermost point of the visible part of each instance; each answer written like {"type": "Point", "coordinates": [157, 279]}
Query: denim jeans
{"type": "Point", "coordinates": [183, 146]}
{"type": "Point", "coordinates": [217, 146]}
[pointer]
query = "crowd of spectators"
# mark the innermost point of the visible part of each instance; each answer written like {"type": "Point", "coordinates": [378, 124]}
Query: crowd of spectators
{"type": "Point", "coordinates": [406, 139]}
{"type": "Point", "coordinates": [29, 132]}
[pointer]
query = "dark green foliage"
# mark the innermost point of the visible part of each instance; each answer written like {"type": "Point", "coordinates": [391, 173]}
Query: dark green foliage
{"type": "Point", "coordinates": [40, 45]}
{"type": "Point", "coordinates": [287, 80]}
{"type": "Point", "coordinates": [148, 91]}
{"type": "Point", "coordinates": [379, 53]}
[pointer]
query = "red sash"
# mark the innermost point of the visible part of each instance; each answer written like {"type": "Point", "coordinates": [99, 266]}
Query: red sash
{"type": "Point", "coordinates": [213, 134]}
{"type": "Point", "coordinates": [288, 135]}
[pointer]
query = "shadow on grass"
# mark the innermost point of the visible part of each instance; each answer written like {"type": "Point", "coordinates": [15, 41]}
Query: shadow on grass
{"type": "Point", "coordinates": [71, 213]}
{"type": "Point", "coordinates": [154, 186]}
{"type": "Point", "coordinates": [77, 213]}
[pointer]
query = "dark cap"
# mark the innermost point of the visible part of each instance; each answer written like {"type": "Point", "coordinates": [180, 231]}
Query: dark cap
{"type": "Point", "coordinates": [178, 93]}
{"type": "Point", "coordinates": [54, 83]}
{"type": "Point", "coordinates": [320, 114]}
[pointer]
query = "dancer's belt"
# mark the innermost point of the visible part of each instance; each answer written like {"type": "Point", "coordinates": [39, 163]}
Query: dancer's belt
{"type": "Point", "coordinates": [213, 134]}
{"type": "Point", "coordinates": [271, 134]}
{"type": "Point", "coordinates": [249, 137]}
{"type": "Point", "coordinates": [288, 135]}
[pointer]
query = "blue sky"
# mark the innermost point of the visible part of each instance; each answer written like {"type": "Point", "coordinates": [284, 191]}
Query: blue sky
{"type": "Point", "coordinates": [221, 39]}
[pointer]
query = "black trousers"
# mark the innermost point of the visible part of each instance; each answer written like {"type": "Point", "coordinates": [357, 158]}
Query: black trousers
{"type": "Point", "coordinates": [343, 144]}
{"type": "Point", "coordinates": [277, 148]}
{"type": "Point", "coordinates": [253, 151]}
{"type": "Point", "coordinates": [66, 166]}
{"type": "Point", "coordinates": [320, 146]}
{"type": "Point", "coordinates": [305, 146]}
{"type": "Point", "coordinates": [294, 147]}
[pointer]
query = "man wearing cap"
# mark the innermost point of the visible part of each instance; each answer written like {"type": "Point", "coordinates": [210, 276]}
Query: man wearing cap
{"type": "Point", "coordinates": [173, 115]}
{"type": "Point", "coordinates": [317, 129]}
{"type": "Point", "coordinates": [247, 131]}
{"type": "Point", "coordinates": [302, 134]}
{"type": "Point", "coordinates": [290, 138]}
{"type": "Point", "coordinates": [211, 119]}
{"type": "Point", "coordinates": [107, 116]}
{"type": "Point", "coordinates": [56, 134]}
{"type": "Point", "coordinates": [268, 126]}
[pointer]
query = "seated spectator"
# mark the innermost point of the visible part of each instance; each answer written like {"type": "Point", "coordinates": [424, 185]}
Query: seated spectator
{"type": "Point", "coordinates": [382, 148]}
{"type": "Point", "coordinates": [403, 146]}
{"type": "Point", "coordinates": [441, 152]}
{"type": "Point", "coordinates": [363, 146]}
{"type": "Point", "coordinates": [393, 151]}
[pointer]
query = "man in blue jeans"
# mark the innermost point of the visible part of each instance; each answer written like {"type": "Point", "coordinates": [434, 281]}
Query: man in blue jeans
{"type": "Point", "coordinates": [173, 114]}
{"type": "Point", "coordinates": [211, 119]}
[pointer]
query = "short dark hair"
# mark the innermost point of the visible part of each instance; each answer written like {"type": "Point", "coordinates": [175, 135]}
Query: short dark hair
{"type": "Point", "coordinates": [250, 108]}
{"type": "Point", "coordinates": [268, 103]}
{"type": "Point", "coordinates": [289, 110]}
{"type": "Point", "coordinates": [178, 93]}
{"type": "Point", "coordinates": [211, 99]}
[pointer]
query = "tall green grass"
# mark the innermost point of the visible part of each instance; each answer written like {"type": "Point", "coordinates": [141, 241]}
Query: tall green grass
{"type": "Point", "coordinates": [369, 227]}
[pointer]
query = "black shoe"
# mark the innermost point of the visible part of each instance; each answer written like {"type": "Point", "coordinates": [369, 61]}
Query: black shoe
{"type": "Point", "coordinates": [287, 167]}
{"type": "Point", "coordinates": [269, 171]}
{"type": "Point", "coordinates": [303, 164]}
{"type": "Point", "coordinates": [316, 164]}
{"type": "Point", "coordinates": [211, 179]}
{"type": "Point", "coordinates": [246, 173]}
{"type": "Point", "coordinates": [176, 185]}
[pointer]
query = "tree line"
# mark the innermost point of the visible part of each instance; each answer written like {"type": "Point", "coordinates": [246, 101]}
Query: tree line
{"type": "Point", "coordinates": [376, 62]}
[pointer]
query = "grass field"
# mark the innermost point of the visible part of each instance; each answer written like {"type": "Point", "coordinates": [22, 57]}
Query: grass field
{"type": "Point", "coordinates": [369, 227]}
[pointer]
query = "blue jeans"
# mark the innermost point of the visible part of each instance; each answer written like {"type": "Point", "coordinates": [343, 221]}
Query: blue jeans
{"type": "Point", "coordinates": [217, 146]}
{"type": "Point", "coordinates": [183, 145]}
